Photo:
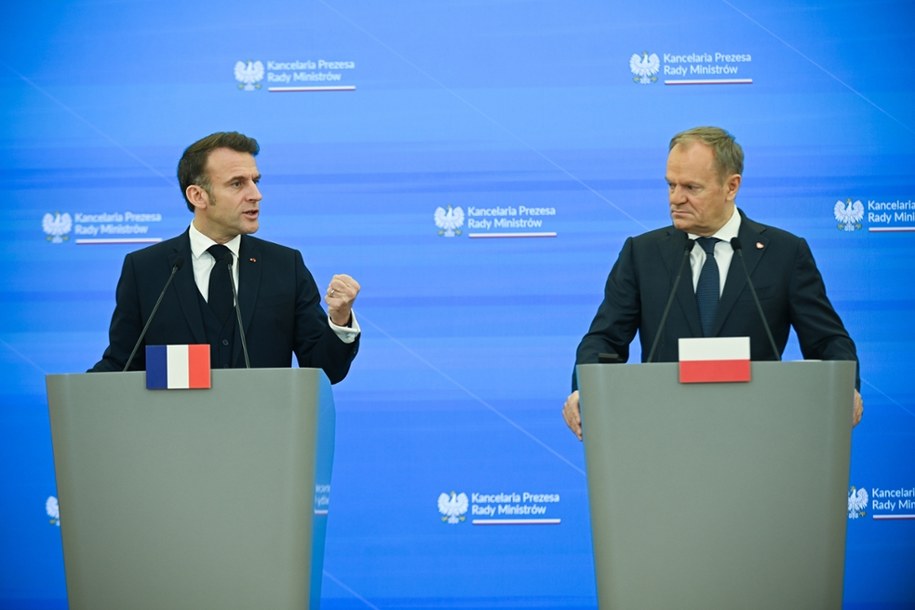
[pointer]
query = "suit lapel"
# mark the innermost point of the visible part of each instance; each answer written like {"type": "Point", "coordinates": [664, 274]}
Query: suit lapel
{"type": "Point", "coordinates": [186, 287]}
{"type": "Point", "coordinates": [753, 244]}
{"type": "Point", "coordinates": [250, 271]}
{"type": "Point", "coordinates": [672, 251]}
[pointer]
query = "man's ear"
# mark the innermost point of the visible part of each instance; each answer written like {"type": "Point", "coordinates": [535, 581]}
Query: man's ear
{"type": "Point", "coordinates": [732, 185]}
{"type": "Point", "coordinates": [198, 196]}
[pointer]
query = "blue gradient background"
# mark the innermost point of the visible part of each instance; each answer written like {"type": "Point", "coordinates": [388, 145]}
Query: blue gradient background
{"type": "Point", "coordinates": [468, 344]}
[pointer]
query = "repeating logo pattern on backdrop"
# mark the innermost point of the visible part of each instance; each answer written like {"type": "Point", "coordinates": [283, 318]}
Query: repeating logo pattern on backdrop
{"type": "Point", "coordinates": [249, 74]}
{"type": "Point", "coordinates": [101, 227]}
{"type": "Point", "coordinates": [692, 68]}
{"type": "Point", "coordinates": [57, 227]}
{"type": "Point", "coordinates": [53, 509]}
{"type": "Point", "coordinates": [449, 221]}
{"type": "Point", "coordinates": [857, 502]}
{"type": "Point", "coordinates": [501, 221]}
{"type": "Point", "coordinates": [295, 75]}
{"type": "Point", "coordinates": [501, 508]}
{"type": "Point", "coordinates": [453, 507]}
{"type": "Point", "coordinates": [849, 214]}
{"type": "Point", "coordinates": [645, 67]}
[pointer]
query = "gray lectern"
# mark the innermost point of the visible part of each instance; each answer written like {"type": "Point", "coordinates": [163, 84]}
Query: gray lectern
{"type": "Point", "coordinates": [193, 498]}
{"type": "Point", "coordinates": [718, 495]}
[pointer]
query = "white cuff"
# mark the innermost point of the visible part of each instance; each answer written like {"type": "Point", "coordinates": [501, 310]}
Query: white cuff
{"type": "Point", "coordinates": [347, 334]}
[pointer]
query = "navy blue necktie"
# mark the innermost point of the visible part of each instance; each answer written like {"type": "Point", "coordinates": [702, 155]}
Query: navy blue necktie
{"type": "Point", "coordinates": [220, 296]}
{"type": "Point", "coordinates": [708, 287]}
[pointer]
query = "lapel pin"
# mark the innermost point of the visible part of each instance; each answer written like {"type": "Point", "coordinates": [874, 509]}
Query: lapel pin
{"type": "Point", "coordinates": [252, 260]}
{"type": "Point", "coordinates": [759, 245]}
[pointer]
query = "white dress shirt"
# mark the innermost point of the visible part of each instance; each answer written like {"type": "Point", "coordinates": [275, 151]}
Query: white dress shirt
{"type": "Point", "coordinates": [723, 251]}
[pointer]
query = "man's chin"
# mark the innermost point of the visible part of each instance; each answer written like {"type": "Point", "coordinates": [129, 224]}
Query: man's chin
{"type": "Point", "coordinates": [682, 224]}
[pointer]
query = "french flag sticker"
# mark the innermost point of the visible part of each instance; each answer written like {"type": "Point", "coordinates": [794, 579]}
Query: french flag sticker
{"type": "Point", "coordinates": [715, 360]}
{"type": "Point", "coordinates": [178, 367]}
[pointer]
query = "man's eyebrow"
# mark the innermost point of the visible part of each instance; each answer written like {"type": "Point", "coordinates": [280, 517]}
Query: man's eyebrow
{"type": "Point", "coordinates": [254, 178]}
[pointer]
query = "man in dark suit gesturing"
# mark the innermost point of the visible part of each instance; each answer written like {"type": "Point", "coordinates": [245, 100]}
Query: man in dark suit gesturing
{"type": "Point", "coordinates": [704, 168]}
{"type": "Point", "coordinates": [278, 300]}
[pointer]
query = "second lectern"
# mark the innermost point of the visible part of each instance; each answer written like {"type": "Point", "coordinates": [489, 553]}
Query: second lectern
{"type": "Point", "coordinates": [718, 495]}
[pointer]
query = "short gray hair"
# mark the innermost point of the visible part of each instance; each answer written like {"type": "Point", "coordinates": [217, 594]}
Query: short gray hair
{"type": "Point", "coordinates": [728, 153]}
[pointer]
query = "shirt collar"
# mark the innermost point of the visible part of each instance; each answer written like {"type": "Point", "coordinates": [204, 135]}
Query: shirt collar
{"type": "Point", "coordinates": [200, 243]}
{"type": "Point", "coordinates": [729, 231]}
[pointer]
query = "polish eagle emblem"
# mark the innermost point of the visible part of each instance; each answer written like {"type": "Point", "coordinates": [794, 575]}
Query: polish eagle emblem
{"type": "Point", "coordinates": [849, 214]}
{"type": "Point", "coordinates": [450, 221]}
{"type": "Point", "coordinates": [857, 502]}
{"type": "Point", "coordinates": [645, 67]}
{"type": "Point", "coordinates": [57, 226]}
{"type": "Point", "coordinates": [249, 74]}
{"type": "Point", "coordinates": [53, 509]}
{"type": "Point", "coordinates": [453, 507]}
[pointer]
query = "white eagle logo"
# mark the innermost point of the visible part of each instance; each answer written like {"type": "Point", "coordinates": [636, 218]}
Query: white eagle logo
{"type": "Point", "coordinates": [857, 502]}
{"type": "Point", "coordinates": [849, 214]}
{"type": "Point", "coordinates": [249, 75]}
{"type": "Point", "coordinates": [453, 507]}
{"type": "Point", "coordinates": [57, 226]}
{"type": "Point", "coordinates": [645, 67]}
{"type": "Point", "coordinates": [450, 221]}
{"type": "Point", "coordinates": [53, 510]}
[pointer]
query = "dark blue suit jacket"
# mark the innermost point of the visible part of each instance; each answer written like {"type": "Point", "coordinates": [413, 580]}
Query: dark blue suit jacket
{"type": "Point", "coordinates": [278, 298]}
{"type": "Point", "coordinates": [782, 268]}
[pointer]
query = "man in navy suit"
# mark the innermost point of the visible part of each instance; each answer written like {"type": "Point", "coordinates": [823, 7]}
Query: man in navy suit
{"type": "Point", "coordinates": [278, 300]}
{"type": "Point", "coordinates": [704, 168]}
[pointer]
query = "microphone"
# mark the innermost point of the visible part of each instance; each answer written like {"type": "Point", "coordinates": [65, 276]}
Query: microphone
{"type": "Point", "coordinates": [178, 264]}
{"type": "Point", "coordinates": [738, 250]}
{"type": "Point", "coordinates": [687, 248]}
{"type": "Point", "coordinates": [241, 330]}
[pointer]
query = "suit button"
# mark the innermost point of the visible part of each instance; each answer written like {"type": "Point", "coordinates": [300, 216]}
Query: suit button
{"type": "Point", "coordinates": [225, 342]}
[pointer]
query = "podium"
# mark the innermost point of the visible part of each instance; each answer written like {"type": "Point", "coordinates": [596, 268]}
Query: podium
{"type": "Point", "coordinates": [193, 498]}
{"type": "Point", "coordinates": [718, 495]}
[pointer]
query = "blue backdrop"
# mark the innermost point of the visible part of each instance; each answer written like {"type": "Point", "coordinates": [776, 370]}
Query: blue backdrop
{"type": "Point", "coordinates": [544, 126]}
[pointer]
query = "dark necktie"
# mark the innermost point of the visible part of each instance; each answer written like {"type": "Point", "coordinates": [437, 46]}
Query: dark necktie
{"type": "Point", "coordinates": [708, 287]}
{"type": "Point", "coordinates": [220, 296]}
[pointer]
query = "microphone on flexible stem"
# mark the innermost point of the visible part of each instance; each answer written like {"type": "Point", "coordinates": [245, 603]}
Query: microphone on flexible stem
{"type": "Point", "coordinates": [738, 250]}
{"type": "Point", "coordinates": [687, 248]}
{"type": "Point", "coordinates": [241, 330]}
{"type": "Point", "coordinates": [178, 264]}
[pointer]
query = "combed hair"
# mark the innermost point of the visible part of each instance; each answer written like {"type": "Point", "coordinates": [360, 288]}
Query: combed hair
{"type": "Point", "coordinates": [192, 166]}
